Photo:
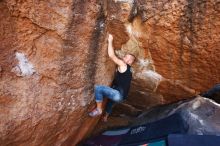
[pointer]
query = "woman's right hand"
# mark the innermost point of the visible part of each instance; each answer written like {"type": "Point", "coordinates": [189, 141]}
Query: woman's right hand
{"type": "Point", "coordinates": [110, 38]}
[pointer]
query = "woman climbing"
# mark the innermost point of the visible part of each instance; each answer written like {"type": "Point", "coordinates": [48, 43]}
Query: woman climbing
{"type": "Point", "coordinates": [121, 83]}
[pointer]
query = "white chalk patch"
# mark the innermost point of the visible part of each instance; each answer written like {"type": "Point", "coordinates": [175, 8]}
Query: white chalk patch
{"type": "Point", "coordinates": [144, 62]}
{"type": "Point", "coordinates": [125, 1]}
{"type": "Point", "coordinates": [24, 67]}
{"type": "Point", "coordinates": [186, 40]}
{"type": "Point", "coordinates": [153, 75]}
{"type": "Point", "coordinates": [131, 31]}
{"type": "Point", "coordinates": [129, 28]}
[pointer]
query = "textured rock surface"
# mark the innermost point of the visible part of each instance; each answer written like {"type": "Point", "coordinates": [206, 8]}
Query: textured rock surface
{"type": "Point", "coordinates": [54, 52]}
{"type": "Point", "coordinates": [48, 68]}
{"type": "Point", "coordinates": [177, 42]}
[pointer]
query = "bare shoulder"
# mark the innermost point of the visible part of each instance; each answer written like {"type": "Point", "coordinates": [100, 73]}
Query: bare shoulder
{"type": "Point", "coordinates": [122, 68]}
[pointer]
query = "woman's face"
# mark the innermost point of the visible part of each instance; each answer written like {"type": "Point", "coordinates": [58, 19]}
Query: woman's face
{"type": "Point", "coordinates": [128, 59]}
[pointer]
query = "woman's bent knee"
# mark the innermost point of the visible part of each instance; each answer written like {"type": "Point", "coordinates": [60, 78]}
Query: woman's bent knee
{"type": "Point", "coordinates": [118, 99]}
{"type": "Point", "coordinates": [98, 88]}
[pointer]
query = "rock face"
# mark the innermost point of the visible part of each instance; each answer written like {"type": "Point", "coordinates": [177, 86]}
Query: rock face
{"type": "Point", "coordinates": [50, 53]}
{"type": "Point", "coordinates": [54, 52]}
{"type": "Point", "coordinates": [176, 42]}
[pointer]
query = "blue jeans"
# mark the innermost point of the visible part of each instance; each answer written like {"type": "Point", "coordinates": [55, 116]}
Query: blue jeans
{"type": "Point", "coordinates": [110, 93]}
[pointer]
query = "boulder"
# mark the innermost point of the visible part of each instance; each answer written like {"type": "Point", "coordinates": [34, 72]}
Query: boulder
{"type": "Point", "coordinates": [54, 52]}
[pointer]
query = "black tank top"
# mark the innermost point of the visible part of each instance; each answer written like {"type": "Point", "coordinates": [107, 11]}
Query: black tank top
{"type": "Point", "coordinates": [122, 81]}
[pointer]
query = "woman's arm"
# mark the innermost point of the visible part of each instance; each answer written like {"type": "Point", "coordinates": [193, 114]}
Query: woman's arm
{"type": "Point", "coordinates": [112, 55]}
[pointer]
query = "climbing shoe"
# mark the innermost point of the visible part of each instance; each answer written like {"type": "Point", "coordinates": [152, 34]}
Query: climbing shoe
{"type": "Point", "coordinates": [96, 112]}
